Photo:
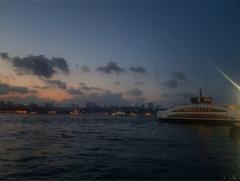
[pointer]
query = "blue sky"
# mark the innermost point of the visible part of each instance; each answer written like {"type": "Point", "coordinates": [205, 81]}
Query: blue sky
{"type": "Point", "coordinates": [162, 37]}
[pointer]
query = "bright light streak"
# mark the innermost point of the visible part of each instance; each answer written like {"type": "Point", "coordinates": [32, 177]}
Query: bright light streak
{"type": "Point", "coordinates": [227, 77]}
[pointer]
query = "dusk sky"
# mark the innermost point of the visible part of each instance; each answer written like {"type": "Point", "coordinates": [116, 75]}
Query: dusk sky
{"type": "Point", "coordinates": [121, 53]}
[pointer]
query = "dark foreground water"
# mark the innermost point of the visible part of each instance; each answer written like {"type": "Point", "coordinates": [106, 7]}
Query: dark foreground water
{"type": "Point", "coordinates": [88, 147]}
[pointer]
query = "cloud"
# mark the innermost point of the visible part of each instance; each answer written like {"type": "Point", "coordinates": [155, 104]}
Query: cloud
{"type": "Point", "coordinates": [84, 89]}
{"type": "Point", "coordinates": [33, 91]}
{"type": "Point", "coordinates": [138, 83]}
{"type": "Point", "coordinates": [55, 83]}
{"type": "Point", "coordinates": [38, 65]}
{"type": "Point", "coordinates": [82, 84]}
{"type": "Point", "coordinates": [60, 63]}
{"type": "Point", "coordinates": [185, 95]}
{"type": "Point", "coordinates": [137, 100]}
{"type": "Point", "coordinates": [116, 83]}
{"type": "Point", "coordinates": [174, 99]}
{"type": "Point", "coordinates": [6, 89]}
{"type": "Point", "coordinates": [26, 99]}
{"type": "Point", "coordinates": [170, 83]}
{"type": "Point", "coordinates": [74, 91]}
{"type": "Point", "coordinates": [102, 98]}
{"type": "Point", "coordinates": [135, 92]}
{"type": "Point", "coordinates": [80, 95]}
{"type": "Point", "coordinates": [40, 87]}
{"type": "Point", "coordinates": [165, 95]}
{"type": "Point", "coordinates": [85, 68]}
{"type": "Point", "coordinates": [4, 55]}
{"type": "Point", "coordinates": [111, 67]}
{"type": "Point", "coordinates": [6, 78]}
{"type": "Point", "coordinates": [179, 76]}
{"type": "Point", "coordinates": [85, 93]}
{"type": "Point", "coordinates": [138, 69]}
{"type": "Point", "coordinates": [109, 97]}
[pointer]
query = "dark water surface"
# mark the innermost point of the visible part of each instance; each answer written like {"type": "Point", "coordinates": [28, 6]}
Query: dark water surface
{"type": "Point", "coordinates": [90, 147]}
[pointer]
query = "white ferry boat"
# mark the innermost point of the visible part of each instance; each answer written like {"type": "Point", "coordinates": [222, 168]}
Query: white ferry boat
{"type": "Point", "coordinates": [201, 110]}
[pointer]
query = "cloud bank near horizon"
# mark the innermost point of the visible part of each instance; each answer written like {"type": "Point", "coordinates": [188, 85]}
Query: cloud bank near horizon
{"type": "Point", "coordinates": [46, 70]}
{"type": "Point", "coordinates": [37, 65]}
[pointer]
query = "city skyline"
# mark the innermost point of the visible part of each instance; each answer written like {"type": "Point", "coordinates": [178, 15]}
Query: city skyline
{"type": "Point", "coordinates": [118, 53]}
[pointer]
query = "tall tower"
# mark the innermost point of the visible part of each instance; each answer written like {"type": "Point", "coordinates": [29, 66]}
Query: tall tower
{"type": "Point", "coordinates": [200, 93]}
{"type": "Point", "coordinates": [52, 103]}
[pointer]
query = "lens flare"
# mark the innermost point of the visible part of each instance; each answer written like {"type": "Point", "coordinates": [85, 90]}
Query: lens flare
{"type": "Point", "coordinates": [227, 77]}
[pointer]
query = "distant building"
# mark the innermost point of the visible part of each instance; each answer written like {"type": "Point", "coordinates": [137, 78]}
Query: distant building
{"type": "Point", "coordinates": [150, 105]}
{"type": "Point", "coordinates": [47, 105]}
{"type": "Point", "coordinates": [74, 106]}
{"type": "Point", "coordinates": [88, 105]}
{"type": "Point", "coordinates": [52, 103]}
{"type": "Point", "coordinates": [2, 103]}
{"type": "Point", "coordinates": [91, 105]}
{"type": "Point", "coordinates": [158, 107]}
{"type": "Point", "coordinates": [10, 105]}
{"type": "Point", "coordinates": [94, 104]}
{"type": "Point", "coordinates": [33, 106]}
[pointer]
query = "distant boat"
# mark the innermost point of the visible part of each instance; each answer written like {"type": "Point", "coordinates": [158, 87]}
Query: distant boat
{"type": "Point", "coordinates": [132, 114]}
{"type": "Point", "coordinates": [52, 112]}
{"type": "Point", "coordinates": [33, 112]}
{"type": "Point", "coordinates": [75, 112]}
{"type": "Point", "coordinates": [119, 113]}
{"type": "Point", "coordinates": [202, 110]}
{"type": "Point", "coordinates": [148, 114]}
{"type": "Point", "coordinates": [21, 112]}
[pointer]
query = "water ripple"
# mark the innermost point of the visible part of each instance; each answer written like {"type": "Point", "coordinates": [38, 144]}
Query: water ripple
{"type": "Point", "coordinates": [87, 147]}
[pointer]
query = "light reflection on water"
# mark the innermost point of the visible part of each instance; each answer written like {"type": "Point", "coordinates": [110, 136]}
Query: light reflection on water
{"type": "Point", "coordinates": [90, 147]}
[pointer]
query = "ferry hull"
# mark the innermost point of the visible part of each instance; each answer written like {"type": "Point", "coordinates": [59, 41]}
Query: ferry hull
{"type": "Point", "coordinates": [200, 121]}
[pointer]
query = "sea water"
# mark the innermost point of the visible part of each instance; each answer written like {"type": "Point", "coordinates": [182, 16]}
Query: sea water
{"type": "Point", "coordinates": [106, 147]}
